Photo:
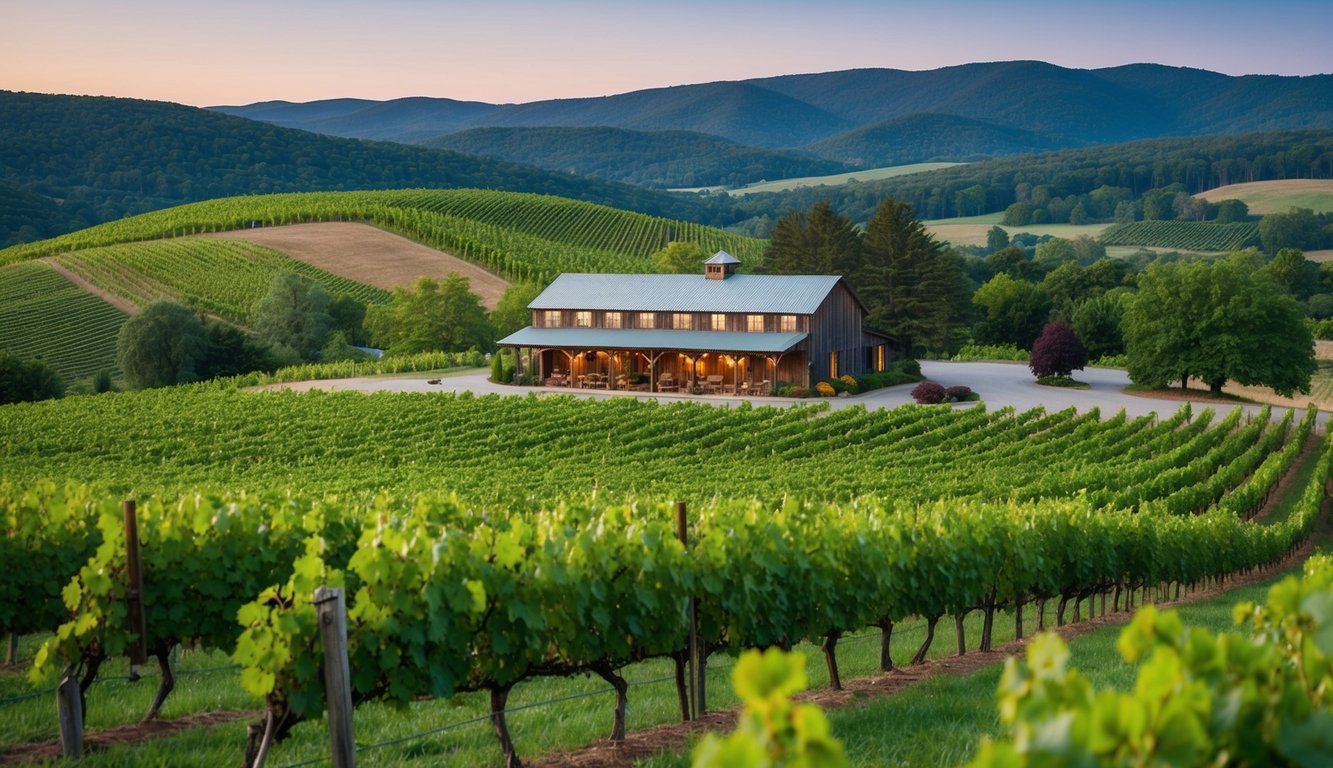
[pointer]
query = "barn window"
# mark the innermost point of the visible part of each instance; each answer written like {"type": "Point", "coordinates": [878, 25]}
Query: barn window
{"type": "Point", "coordinates": [583, 319]}
{"type": "Point", "coordinates": [647, 320]}
{"type": "Point", "coordinates": [719, 322]}
{"type": "Point", "coordinates": [754, 323]}
{"type": "Point", "coordinates": [612, 320]}
{"type": "Point", "coordinates": [787, 323]}
{"type": "Point", "coordinates": [552, 318]}
{"type": "Point", "coordinates": [681, 321]}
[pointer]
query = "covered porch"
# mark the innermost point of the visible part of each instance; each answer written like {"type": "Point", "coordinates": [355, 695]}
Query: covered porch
{"type": "Point", "coordinates": [587, 358]}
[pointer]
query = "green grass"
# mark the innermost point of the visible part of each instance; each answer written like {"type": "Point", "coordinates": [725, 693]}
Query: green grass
{"type": "Point", "coordinates": [44, 315]}
{"type": "Point", "coordinates": [940, 721]}
{"type": "Point", "coordinates": [538, 725]}
{"type": "Point", "coordinates": [837, 179]}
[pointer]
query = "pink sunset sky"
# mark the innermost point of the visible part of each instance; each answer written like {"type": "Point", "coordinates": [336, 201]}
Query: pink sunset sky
{"type": "Point", "coordinates": [300, 50]}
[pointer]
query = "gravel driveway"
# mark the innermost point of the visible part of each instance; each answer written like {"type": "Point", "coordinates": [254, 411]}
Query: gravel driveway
{"type": "Point", "coordinates": [999, 384]}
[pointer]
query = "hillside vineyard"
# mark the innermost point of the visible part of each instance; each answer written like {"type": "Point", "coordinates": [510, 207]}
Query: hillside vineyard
{"type": "Point", "coordinates": [558, 552]}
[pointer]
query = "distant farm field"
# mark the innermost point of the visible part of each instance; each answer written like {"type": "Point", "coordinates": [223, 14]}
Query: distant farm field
{"type": "Point", "coordinates": [971, 230]}
{"type": "Point", "coordinates": [44, 315]}
{"type": "Point", "coordinates": [1278, 196]}
{"type": "Point", "coordinates": [370, 255]}
{"type": "Point", "coordinates": [838, 179]}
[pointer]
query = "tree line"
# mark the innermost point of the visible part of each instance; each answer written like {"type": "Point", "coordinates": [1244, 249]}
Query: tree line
{"type": "Point", "coordinates": [1243, 317]}
{"type": "Point", "coordinates": [1097, 179]}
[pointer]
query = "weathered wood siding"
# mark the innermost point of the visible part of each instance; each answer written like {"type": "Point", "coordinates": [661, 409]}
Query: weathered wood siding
{"type": "Point", "coordinates": [836, 327]}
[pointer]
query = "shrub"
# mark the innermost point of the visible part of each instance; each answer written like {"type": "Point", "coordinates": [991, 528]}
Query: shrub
{"type": "Point", "coordinates": [797, 392]}
{"type": "Point", "coordinates": [928, 393]}
{"type": "Point", "coordinates": [909, 366]}
{"type": "Point", "coordinates": [825, 389]}
{"type": "Point", "coordinates": [1057, 351]}
{"type": "Point", "coordinates": [850, 384]}
{"type": "Point", "coordinates": [973, 352]}
{"type": "Point", "coordinates": [958, 394]}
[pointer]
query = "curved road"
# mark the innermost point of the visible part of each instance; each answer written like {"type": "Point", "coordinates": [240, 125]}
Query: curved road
{"type": "Point", "coordinates": [999, 384]}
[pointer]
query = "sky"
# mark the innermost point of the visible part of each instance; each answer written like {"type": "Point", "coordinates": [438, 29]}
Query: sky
{"type": "Point", "coordinates": [244, 51]}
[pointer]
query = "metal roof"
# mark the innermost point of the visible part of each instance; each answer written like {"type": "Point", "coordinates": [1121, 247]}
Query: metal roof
{"type": "Point", "coordinates": [722, 257]}
{"type": "Point", "coordinates": [785, 294]}
{"type": "Point", "coordinates": [628, 338]}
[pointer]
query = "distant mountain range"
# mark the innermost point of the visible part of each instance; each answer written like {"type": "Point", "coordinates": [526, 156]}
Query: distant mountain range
{"type": "Point", "coordinates": [68, 162]}
{"type": "Point", "coordinates": [858, 118]}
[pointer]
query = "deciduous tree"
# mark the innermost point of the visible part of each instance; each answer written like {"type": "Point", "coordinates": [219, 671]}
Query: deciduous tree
{"type": "Point", "coordinates": [1218, 323]}
{"type": "Point", "coordinates": [1057, 351]}
{"type": "Point", "coordinates": [294, 313]}
{"type": "Point", "coordinates": [161, 346]}
{"type": "Point", "coordinates": [1014, 311]}
{"type": "Point", "coordinates": [680, 258]}
{"type": "Point", "coordinates": [435, 315]}
{"type": "Point", "coordinates": [26, 381]}
{"type": "Point", "coordinates": [511, 313]}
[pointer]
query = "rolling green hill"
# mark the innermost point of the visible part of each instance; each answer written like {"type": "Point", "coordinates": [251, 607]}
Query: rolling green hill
{"type": "Point", "coordinates": [106, 158]}
{"type": "Point", "coordinates": [44, 315]}
{"type": "Point", "coordinates": [651, 159]}
{"type": "Point", "coordinates": [220, 277]}
{"type": "Point", "coordinates": [929, 137]}
{"type": "Point", "coordinates": [518, 236]}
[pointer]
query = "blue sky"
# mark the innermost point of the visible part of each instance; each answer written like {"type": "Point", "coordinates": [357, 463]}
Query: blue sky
{"type": "Point", "coordinates": [205, 53]}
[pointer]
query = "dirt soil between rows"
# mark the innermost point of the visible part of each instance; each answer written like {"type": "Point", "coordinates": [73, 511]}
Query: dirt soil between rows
{"type": "Point", "coordinates": [369, 255]}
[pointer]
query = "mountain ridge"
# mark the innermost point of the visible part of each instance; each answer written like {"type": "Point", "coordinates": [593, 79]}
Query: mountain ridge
{"type": "Point", "coordinates": [1076, 107]}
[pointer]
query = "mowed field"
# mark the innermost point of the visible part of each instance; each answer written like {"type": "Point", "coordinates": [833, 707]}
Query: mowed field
{"type": "Point", "coordinates": [971, 230]}
{"type": "Point", "coordinates": [1265, 197]}
{"type": "Point", "coordinates": [838, 179]}
{"type": "Point", "coordinates": [370, 255]}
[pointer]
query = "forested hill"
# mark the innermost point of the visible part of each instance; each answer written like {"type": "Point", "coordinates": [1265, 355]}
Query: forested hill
{"type": "Point", "coordinates": [1071, 107]}
{"type": "Point", "coordinates": [648, 158]}
{"type": "Point", "coordinates": [96, 159]}
{"type": "Point", "coordinates": [1127, 171]}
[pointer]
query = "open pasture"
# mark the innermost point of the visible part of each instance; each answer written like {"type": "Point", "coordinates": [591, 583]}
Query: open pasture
{"type": "Point", "coordinates": [1265, 197]}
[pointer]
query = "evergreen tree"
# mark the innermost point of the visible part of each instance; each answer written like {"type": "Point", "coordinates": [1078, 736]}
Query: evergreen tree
{"type": "Point", "coordinates": [822, 242]}
{"type": "Point", "coordinates": [914, 289]}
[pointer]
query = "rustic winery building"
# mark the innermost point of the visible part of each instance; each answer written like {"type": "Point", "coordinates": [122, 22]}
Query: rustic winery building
{"type": "Point", "coordinates": [716, 332]}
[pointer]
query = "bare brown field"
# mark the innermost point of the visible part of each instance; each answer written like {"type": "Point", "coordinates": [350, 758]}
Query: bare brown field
{"type": "Point", "coordinates": [1278, 196]}
{"type": "Point", "coordinates": [370, 255]}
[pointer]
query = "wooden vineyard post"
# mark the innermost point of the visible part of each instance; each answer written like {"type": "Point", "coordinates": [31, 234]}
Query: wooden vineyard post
{"type": "Point", "coordinates": [12, 649]}
{"type": "Point", "coordinates": [697, 681]}
{"type": "Point", "coordinates": [331, 608]}
{"type": "Point", "coordinates": [69, 707]}
{"type": "Point", "coordinates": [138, 625]}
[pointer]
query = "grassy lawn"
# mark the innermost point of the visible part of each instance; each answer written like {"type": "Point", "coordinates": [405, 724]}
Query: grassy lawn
{"type": "Point", "coordinates": [940, 721]}
{"type": "Point", "coordinates": [545, 715]}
